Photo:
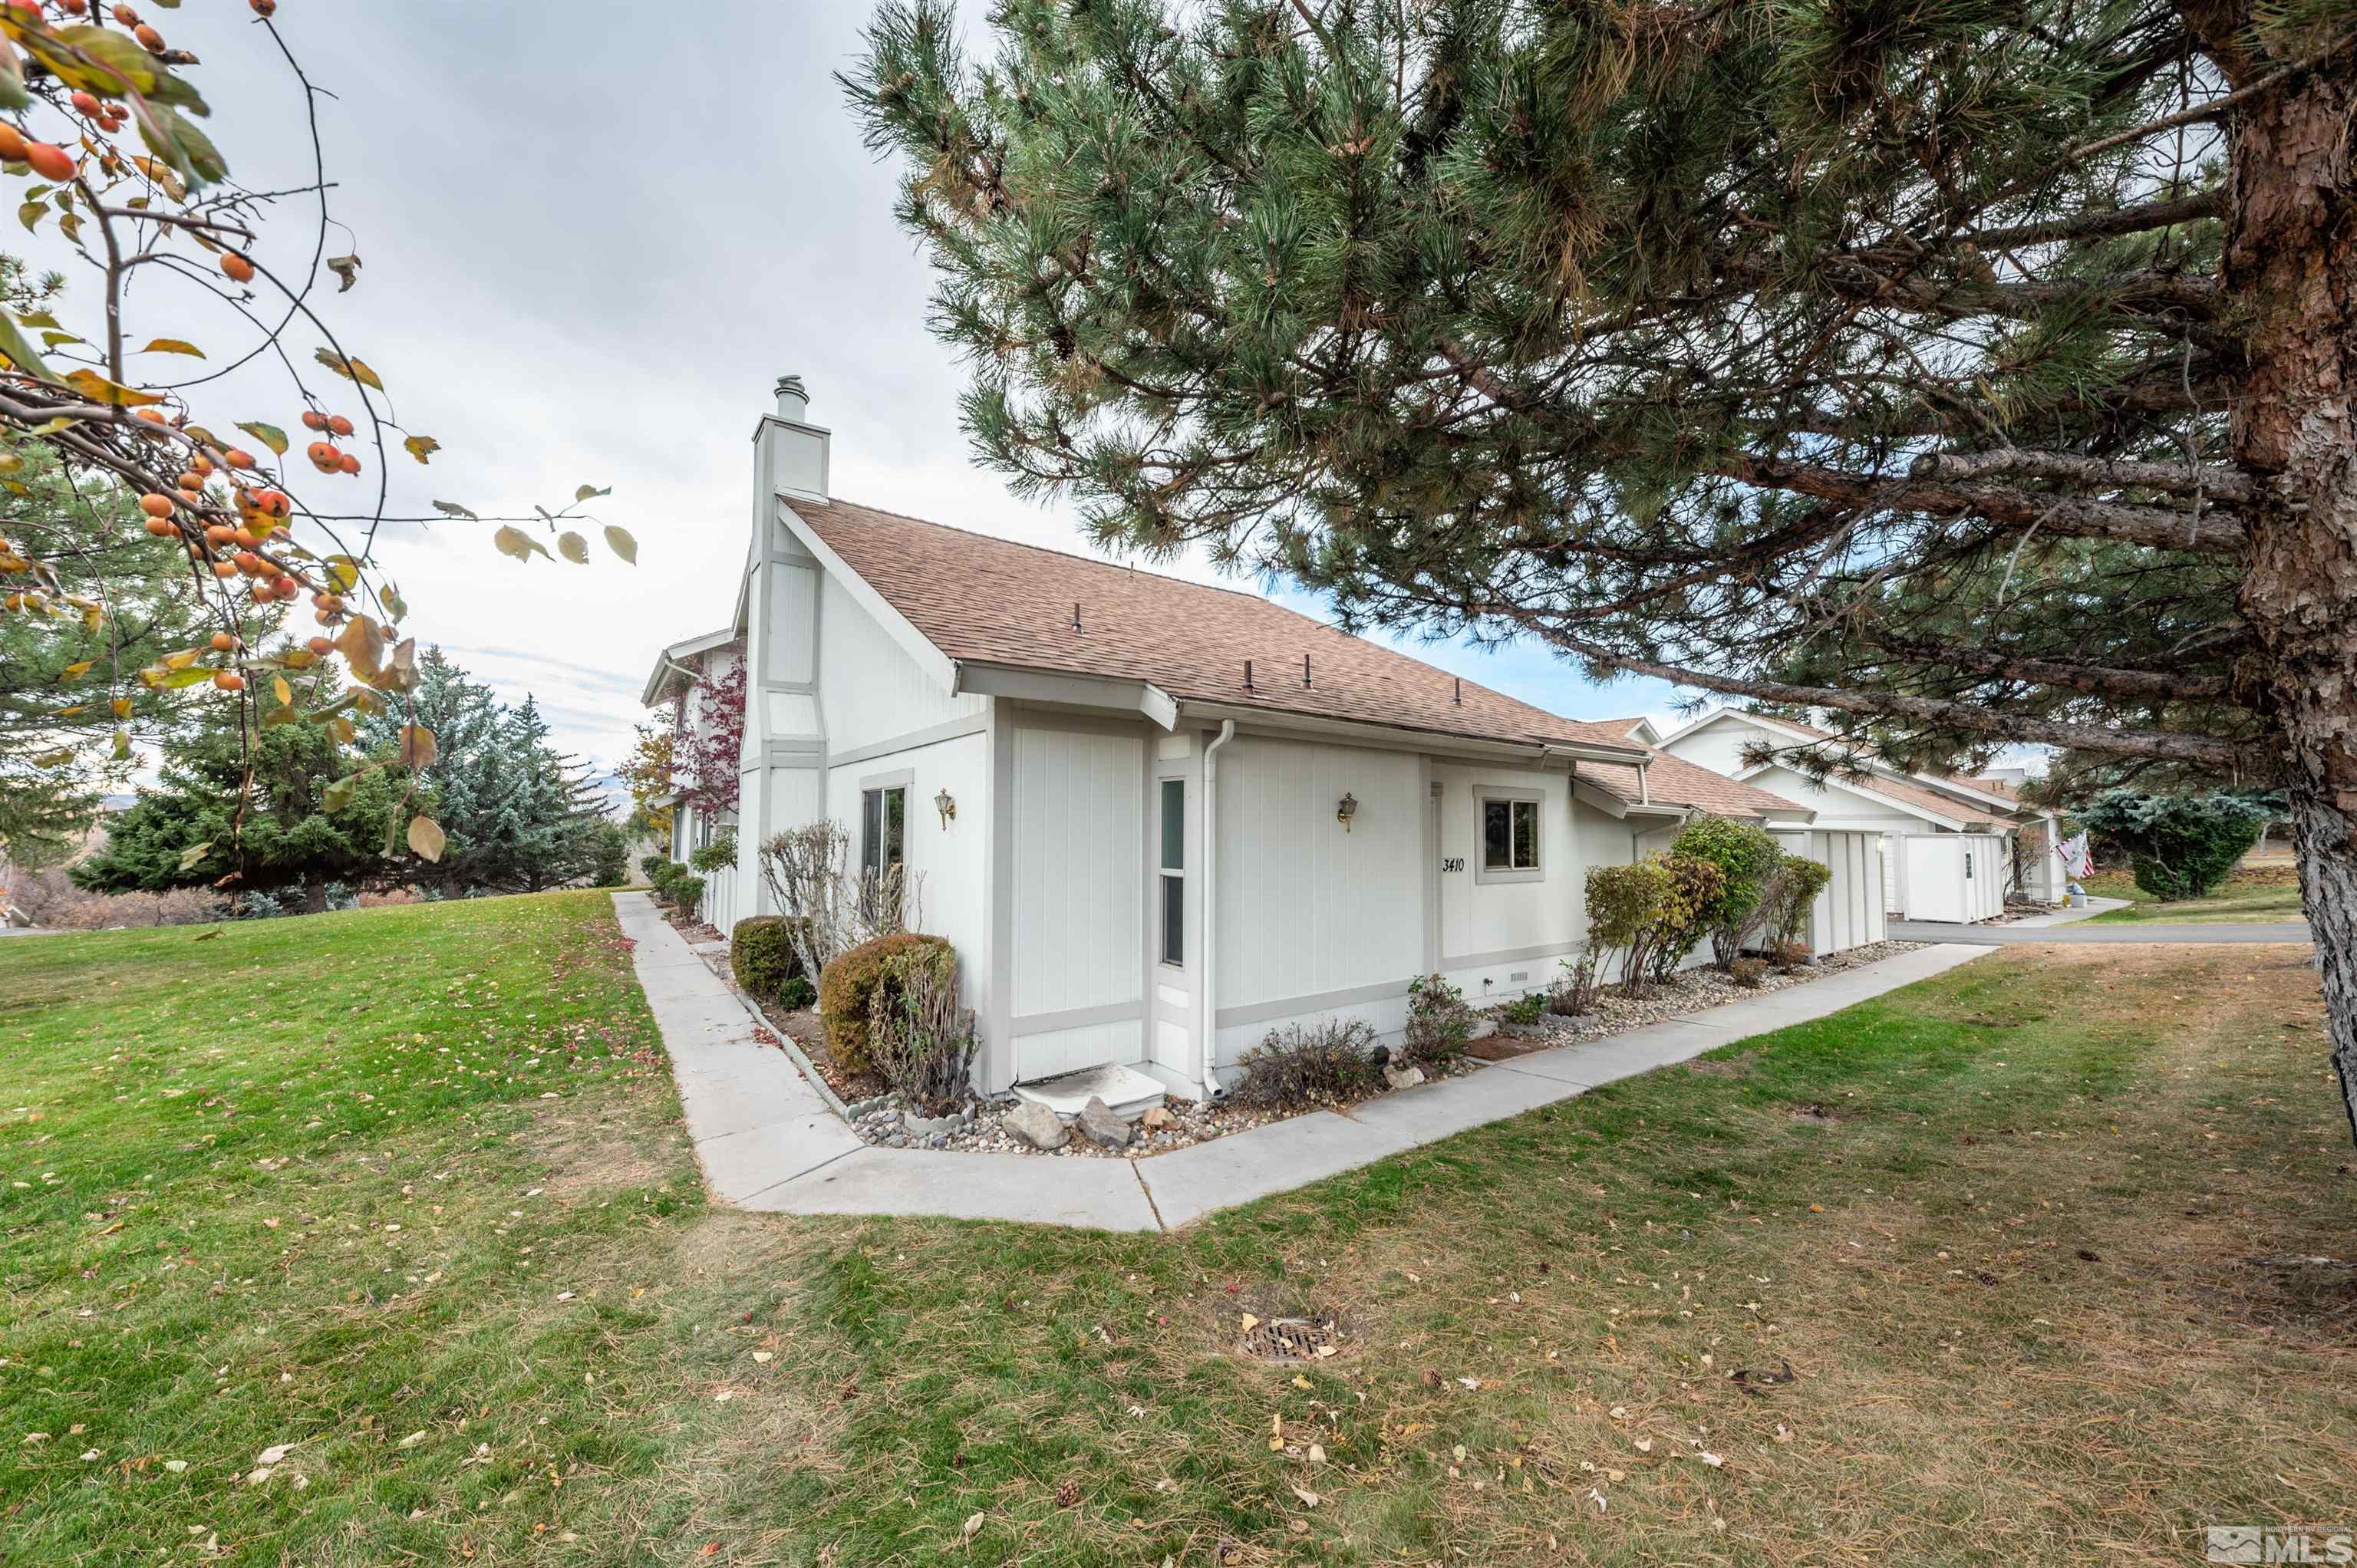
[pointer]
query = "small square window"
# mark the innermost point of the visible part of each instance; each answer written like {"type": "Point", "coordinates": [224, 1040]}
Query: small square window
{"type": "Point", "coordinates": [1510, 835]}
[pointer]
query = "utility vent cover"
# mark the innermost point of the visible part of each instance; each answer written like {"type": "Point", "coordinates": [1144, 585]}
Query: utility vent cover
{"type": "Point", "coordinates": [1290, 1340]}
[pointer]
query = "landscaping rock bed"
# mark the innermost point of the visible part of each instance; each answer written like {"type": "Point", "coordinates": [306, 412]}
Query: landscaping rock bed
{"type": "Point", "coordinates": [1693, 991]}
{"type": "Point", "coordinates": [1006, 1126]}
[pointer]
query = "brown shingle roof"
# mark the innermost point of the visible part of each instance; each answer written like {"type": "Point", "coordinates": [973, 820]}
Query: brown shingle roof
{"type": "Point", "coordinates": [1673, 780]}
{"type": "Point", "coordinates": [1917, 795]}
{"type": "Point", "coordinates": [987, 600]}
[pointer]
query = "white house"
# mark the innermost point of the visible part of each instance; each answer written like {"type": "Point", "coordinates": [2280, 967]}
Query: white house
{"type": "Point", "coordinates": [1158, 819]}
{"type": "Point", "coordinates": [1952, 847]}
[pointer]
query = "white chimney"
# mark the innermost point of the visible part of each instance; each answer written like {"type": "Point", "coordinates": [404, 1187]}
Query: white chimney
{"type": "Point", "coordinates": [792, 451]}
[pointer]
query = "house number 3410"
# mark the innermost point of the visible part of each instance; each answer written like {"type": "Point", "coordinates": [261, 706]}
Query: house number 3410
{"type": "Point", "coordinates": [1452, 863]}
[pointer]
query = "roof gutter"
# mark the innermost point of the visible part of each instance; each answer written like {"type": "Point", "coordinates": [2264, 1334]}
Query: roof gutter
{"type": "Point", "coordinates": [1537, 753]}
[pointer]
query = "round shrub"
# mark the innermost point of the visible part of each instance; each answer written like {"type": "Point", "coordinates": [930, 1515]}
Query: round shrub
{"type": "Point", "coordinates": [1748, 857]}
{"type": "Point", "coordinates": [846, 993]}
{"type": "Point", "coordinates": [761, 956]}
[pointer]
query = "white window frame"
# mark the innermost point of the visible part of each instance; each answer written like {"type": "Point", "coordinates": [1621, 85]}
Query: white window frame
{"type": "Point", "coordinates": [1166, 874]}
{"type": "Point", "coordinates": [871, 855]}
{"type": "Point", "coordinates": [1484, 796]}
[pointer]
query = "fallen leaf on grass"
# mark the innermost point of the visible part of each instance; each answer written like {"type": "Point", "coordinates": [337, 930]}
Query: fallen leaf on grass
{"type": "Point", "coordinates": [973, 1524]}
{"type": "Point", "coordinates": [411, 1441]}
{"type": "Point", "coordinates": [1309, 1498]}
{"type": "Point", "coordinates": [274, 1454]}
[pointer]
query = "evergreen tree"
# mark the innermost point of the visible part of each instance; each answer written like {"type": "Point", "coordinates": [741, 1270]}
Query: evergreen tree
{"type": "Point", "coordinates": [467, 776]}
{"type": "Point", "coordinates": [311, 816]}
{"type": "Point", "coordinates": [1985, 374]}
{"type": "Point", "coordinates": [517, 815]}
{"type": "Point", "coordinates": [70, 703]}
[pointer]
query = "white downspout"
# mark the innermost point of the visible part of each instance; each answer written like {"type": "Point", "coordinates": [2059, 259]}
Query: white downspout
{"type": "Point", "coordinates": [1210, 896]}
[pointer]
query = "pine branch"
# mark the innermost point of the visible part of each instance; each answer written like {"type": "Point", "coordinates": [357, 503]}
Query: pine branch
{"type": "Point", "coordinates": [2182, 480]}
{"type": "Point", "coordinates": [2162, 746]}
{"type": "Point", "coordinates": [2090, 679]}
{"type": "Point", "coordinates": [2103, 225]}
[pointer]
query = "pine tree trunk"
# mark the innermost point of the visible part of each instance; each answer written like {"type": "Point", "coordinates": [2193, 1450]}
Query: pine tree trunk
{"type": "Point", "coordinates": [2291, 262]}
{"type": "Point", "coordinates": [315, 897]}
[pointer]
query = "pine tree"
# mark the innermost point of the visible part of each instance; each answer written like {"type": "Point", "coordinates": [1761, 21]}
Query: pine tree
{"type": "Point", "coordinates": [70, 703]}
{"type": "Point", "coordinates": [468, 768]}
{"type": "Point", "coordinates": [1984, 374]}
{"type": "Point", "coordinates": [312, 816]}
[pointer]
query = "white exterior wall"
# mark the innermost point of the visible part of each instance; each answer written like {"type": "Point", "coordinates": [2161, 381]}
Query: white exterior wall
{"type": "Point", "coordinates": [1073, 911]}
{"type": "Point", "coordinates": [1315, 921]}
{"type": "Point", "coordinates": [1718, 746]}
{"type": "Point", "coordinates": [1850, 912]}
{"type": "Point", "coordinates": [948, 863]}
{"type": "Point", "coordinates": [870, 691]}
{"type": "Point", "coordinates": [1501, 938]}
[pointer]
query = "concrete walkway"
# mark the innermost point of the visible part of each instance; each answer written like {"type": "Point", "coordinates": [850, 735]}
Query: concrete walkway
{"type": "Point", "coordinates": [768, 1140]}
{"type": "Point", "coordinates": [2190, 933]}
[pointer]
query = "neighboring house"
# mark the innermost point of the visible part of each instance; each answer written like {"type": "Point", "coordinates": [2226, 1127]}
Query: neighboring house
{"type": "Point", "coordinates": [679, 670]}
{"type": "Point", "coordinates": [1972, 827]}
{"type": "Point", "coordinates": [1159, 819]}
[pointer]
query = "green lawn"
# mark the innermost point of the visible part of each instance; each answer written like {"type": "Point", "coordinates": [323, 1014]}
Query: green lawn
{"type": "Point", "coordinates": [405, 1189]}
{"type": "Point", "coordinates": [2270, 893]}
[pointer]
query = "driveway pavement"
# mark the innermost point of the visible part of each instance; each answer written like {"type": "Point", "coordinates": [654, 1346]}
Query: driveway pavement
{"type": "Point", "coordinates": [768, 1140]}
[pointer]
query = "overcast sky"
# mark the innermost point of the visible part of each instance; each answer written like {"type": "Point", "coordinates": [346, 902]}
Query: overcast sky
{"type": "Point", "coordinates": [592, 237]}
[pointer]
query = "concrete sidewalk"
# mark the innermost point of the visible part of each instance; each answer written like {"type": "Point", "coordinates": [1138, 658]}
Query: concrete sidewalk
{"type": "Point", "coordinates": [2193, 934]}
{"type": "Point", "coordinates": [768, 1140]}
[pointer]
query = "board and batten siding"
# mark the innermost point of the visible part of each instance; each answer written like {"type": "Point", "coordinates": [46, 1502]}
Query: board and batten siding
{"type": "Point", "coordinates": [1077, 899]}
{"type": "Point", "coordinates": [1850, 912]}
{"type": "Point", "coordinates": [1307, 907]}
{"type": "Point", "coordinates": [1309, 911]}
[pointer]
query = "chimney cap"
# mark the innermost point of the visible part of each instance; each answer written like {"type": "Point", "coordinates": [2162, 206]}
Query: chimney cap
{"type": "Point", "coordinates": [793, 385]}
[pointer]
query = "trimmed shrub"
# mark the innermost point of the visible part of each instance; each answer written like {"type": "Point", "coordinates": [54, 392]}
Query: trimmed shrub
{"type": "Point", "coordinates": [1747, 973]}
{"type": "Point", "coordinates": [761, 956]}
{"type": "Point", "coordinates": [1651, 912]}
{"type": "Point", "coordinates": [720, 855]}
{"type": "Point", "coordinates": [684, 890]}
{"type": "Point", "coordinates": [1439, 1025]}
{"type": "Point", "coordinates": [2181, 846]}
{"type": "Point", "coordinates": [1790, 956]}
{"type": "Point", "coordinates": [1747, 858]}
{"type": "Point", "coordinates": [918, 1036]}
{"type": "Point", "coordinates": [1678, 929]}
{"type": "Point", "coordinates": [846, 993]}
{"type": "Point", "coordinates": [1322, 1064]}
{"type": "Point", "coordinates": [1527, 1008]}
{"type": "Point", "coordinates": [651, 864]}
{"type": "Point", "coordinates": [1797, 886]}
{"type": "Point", "coordinates": [798, 994]}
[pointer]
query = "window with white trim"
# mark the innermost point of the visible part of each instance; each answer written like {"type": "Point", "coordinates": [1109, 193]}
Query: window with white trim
{"type": "Point", "coordinates": [1173, 873]}
{"type": "Point", "coordinates": [884, 828]}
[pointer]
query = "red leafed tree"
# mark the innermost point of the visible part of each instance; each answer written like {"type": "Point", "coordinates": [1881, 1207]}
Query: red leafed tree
{"type": "Point", "coordinates": [711, 734]}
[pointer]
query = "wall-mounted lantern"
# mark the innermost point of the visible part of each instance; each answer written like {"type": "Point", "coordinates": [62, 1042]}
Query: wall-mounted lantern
{"type": "Point", "coordinates": [947, 806]}
{"type": "Point", "coordinates": [1347, 808]}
